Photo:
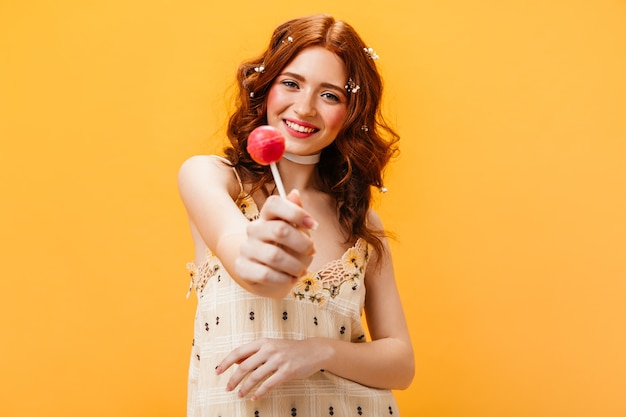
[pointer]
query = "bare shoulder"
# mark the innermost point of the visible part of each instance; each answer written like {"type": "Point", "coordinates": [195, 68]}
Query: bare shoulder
{"type": "Point", "coordinates": [374, 221]}
{"type": "Point", "coordinates": [206, 172]}
{"type": "Point", "coordinates": [203, 165]}
{"type": "Point", "coordinates": [379, 259]}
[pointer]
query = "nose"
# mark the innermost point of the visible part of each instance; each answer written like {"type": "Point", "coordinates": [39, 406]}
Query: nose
{"type": "Point", "coordinates": [305, 104]}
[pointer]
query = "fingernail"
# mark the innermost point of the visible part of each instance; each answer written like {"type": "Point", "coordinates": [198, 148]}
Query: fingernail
{"type": "Point", "coordinates": [310, 223]}
{"type": "Point", "coordinates": [218, 370]}
{"type": "Point", "coordinates": [240, 394]}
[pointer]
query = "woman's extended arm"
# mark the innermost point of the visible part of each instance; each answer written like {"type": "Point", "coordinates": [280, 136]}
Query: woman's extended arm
{"type": "Point", "coordinates": [254, 253]}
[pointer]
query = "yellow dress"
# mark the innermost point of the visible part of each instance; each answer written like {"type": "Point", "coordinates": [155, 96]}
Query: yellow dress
{"type": "Point", "coordinates": [327, 303]}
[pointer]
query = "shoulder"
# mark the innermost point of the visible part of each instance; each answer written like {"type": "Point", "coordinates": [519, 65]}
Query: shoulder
{"type": "Point", "coordinates": [380, 253]}
{"type": "Point", "coordinates": [206, 172]}
{"type": "Point", "coordinates": [200, 164]}
{"type": "Point", "coordinates": [373, 221]}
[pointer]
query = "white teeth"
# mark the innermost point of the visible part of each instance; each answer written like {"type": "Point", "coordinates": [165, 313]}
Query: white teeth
{"type": "Point", "coordinates": [299, 128]}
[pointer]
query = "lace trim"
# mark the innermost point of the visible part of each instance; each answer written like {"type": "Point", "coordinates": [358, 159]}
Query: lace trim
{"type": "Point", "coordinates": [200, 275]}
{"type": "Point", "coordinates": [317, 287]}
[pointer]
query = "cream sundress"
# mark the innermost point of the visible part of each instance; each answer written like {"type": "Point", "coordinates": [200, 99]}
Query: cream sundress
{"type": "Point", "coordinates": [327, 303]}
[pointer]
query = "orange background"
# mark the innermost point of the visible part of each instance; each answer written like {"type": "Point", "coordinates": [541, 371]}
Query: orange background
{"type": "Point", "coordinates": [507, 200]}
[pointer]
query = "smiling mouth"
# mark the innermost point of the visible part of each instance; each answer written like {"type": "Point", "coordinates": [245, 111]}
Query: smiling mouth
{"type": "Point", "coordinates": [299, 128]}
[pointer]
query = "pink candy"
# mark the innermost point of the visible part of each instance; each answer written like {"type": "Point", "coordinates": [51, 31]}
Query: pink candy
{"type": "Point", "coordinates": [266, 145]}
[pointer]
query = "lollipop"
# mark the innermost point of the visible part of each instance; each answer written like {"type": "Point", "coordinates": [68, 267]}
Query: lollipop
{"type": "Point", "coordinates": [266, 146]}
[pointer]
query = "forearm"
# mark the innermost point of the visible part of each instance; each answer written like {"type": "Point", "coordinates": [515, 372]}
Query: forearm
{"type": "Point", "coordinates": [385, 363]}
{"type": "Point", "coordinates": [279, 247]}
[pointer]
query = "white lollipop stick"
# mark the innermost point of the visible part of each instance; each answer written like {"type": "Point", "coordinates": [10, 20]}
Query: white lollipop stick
{"type": "Point", "coordinates": [278, 180]}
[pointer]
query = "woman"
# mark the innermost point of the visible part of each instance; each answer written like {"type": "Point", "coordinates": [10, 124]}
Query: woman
{"type": "Point", "coordinates": [281, 283]}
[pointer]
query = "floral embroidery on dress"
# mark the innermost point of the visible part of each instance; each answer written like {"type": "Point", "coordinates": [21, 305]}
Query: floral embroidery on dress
{"type": "Point", "coordinates": [317, 286]}
{"type": "Point", "coordinates": [354, 261]}
{"type": "Point", "coordinates": [247, 206]}
{"type": "Point", "coordinates": [200, 275]}
{"type": "Point", "coordinates": [309, 287]}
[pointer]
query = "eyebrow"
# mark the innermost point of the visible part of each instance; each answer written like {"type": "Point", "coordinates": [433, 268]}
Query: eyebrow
{"type": "Point", "coordinates": [301, 78]}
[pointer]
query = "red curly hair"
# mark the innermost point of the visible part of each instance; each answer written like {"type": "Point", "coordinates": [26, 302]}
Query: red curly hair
{"type": "Point", "coordinates": [354, 162]}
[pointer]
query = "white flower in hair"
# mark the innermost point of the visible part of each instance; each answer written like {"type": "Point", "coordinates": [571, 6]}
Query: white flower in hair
{"type": "Point", "coordinates": [371, 53]}
{"type": "Point", "coordinates": [352, 86]}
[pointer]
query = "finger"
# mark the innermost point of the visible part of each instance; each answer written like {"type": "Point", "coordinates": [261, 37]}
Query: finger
{"type": "Point", "coordinates": [261, 273]}
{"type": "Point", "coordinates": [294, 197]}
{"type": "Point", "coordinates": [309, 222]}
{"type": "Point", "coordinates": [276, 208]}
{"type": "Point", "coordinates": [273, 380]}
{"type": "Point", "coordinates": [237, 355]}
{"type": "Point", "coordinates": [249, 373]}
{"type": "Point", "coordinates": [254, 377]}
{"type": "Point", "coordinates": [275, 257]}
{"type": "Point", "coordinates": [281, 233]}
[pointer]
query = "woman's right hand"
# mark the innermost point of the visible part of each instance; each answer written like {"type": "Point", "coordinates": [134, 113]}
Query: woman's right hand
{"type": "Point", "coordinates": [278, 249]}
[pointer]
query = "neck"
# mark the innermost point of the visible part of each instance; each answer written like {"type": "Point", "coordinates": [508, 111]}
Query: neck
{"type": "Point", "coordinates": [297, 175]}
{"type": "Point", "coordinates": [303, 159]}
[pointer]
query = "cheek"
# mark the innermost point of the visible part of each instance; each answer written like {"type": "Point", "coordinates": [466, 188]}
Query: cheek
{"type": "Point", "coordinates": [274, 101]}
{"type": "Point", "coordinates": [335, 118]}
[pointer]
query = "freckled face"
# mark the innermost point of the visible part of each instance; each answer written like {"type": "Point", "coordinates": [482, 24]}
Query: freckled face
{"type": "Point", "coordinates": [307, 102]}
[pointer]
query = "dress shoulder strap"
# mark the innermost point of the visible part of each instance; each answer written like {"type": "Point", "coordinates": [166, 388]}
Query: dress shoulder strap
{"type": "Point", "coordinates": [226, 161]}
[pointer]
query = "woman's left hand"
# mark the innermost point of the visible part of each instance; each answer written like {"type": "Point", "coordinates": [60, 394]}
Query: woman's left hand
{"type": "Point", "coordinates": [271, 362]}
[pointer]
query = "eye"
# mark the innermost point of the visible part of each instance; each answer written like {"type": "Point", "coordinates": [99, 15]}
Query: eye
{"type": "Point", "coordinates": [289, 83]}
{"type": "Point", "coordinates": [332, 97]}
